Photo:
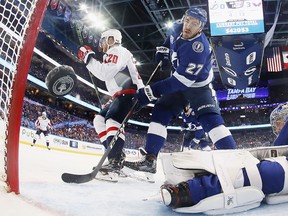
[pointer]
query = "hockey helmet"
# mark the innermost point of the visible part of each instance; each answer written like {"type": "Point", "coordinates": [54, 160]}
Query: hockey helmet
{"type": "Point", "coordinates": [116, 34]}
{"type": "Point", "coordinates": [279, 117]}
{"type": "Point", "coordinates": [199, 14]}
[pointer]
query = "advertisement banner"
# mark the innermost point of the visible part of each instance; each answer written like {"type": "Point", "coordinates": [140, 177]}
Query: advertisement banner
{"type": "Point", "coordinates": [239, 59]}
{"type": "Point", "coordinates": [69, 145]}
{"type": "Point", "coordinates": [249, 92]}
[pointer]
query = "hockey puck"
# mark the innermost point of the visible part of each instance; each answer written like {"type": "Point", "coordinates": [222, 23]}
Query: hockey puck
{"type": "Point", "coordinates": [61, 80]}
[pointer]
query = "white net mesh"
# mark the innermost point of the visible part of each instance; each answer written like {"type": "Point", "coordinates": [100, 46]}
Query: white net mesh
{"type": "Point", "coordinates": [15, 16]}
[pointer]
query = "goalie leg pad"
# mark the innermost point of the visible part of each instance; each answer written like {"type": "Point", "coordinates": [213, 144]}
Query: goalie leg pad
{"type": "Point", "coordinates": [247, 198]}
{"type": "Point", "coordinates": [272, 199]}
{"type": "Point", "coordinates": [172, 174]}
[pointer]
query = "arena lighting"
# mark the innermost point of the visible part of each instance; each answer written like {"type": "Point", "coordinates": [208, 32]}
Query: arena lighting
{"type": "Point", "coordinates": [169, 24]}
{"type": "Point", "coordinates": [83, 7]}
{"type": "Point", "coordinates": [136, 62]}
{"type": "Point", "coordinates": [97, 21]}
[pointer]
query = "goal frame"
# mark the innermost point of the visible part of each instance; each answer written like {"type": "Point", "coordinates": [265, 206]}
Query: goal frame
{"type": "Point", "coordinates": [16, 101]}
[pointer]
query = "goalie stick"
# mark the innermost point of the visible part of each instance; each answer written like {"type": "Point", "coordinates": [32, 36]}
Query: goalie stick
{"type": "Point", "coordinates": [83, 178]}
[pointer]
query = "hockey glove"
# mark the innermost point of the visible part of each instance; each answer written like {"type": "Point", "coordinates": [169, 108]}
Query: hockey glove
{"type": "Point", "coordinates": [145, 95]}
{"type": "Point", "coordinates": [85, 53]}
{"type": "Point", "coordinates": [162, 54]}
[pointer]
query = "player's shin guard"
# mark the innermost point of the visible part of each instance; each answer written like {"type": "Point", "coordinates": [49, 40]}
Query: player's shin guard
{"type": "Point", "coordinates": [176, 196]}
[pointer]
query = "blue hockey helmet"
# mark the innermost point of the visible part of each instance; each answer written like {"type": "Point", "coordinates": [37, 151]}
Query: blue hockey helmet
{"type": "Point", "coordinates": [198, 13]}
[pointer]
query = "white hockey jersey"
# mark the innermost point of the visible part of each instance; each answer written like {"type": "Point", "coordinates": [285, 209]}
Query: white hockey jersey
{"type": "Point", "coordinates": [116, 61]}
{"type": "Point", "coordinates": [42, 124]}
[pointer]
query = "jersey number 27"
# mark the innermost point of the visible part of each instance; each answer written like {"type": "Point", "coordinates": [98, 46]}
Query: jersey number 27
{"type": "Point", "coordinates": [194, 69]}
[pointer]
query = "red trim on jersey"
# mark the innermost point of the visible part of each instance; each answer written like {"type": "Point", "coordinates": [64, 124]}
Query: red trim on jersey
{"type": "Point", "coordinates": [113, 129]}
{"type": "Point", "coordinates": [100, 135]}
{"type": "Point", "coordinates": [124, 92]}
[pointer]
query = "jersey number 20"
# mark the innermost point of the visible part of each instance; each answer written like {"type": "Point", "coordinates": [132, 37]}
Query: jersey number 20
{"type": "Point", "coordinates": [111, 58]}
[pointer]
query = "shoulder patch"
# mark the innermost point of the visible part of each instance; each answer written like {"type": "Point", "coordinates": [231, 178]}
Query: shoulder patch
{"type": "Point", "coordinates": [198, 47]}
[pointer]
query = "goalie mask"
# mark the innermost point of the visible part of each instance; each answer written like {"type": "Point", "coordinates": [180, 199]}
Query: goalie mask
{"type": "Point", "coordinates": [114, 33]}
{"type": "Point", "coordinates": [278, 117]}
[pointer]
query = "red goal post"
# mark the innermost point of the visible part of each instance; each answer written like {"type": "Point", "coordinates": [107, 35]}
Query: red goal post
{"type": "Point", "coordinates": [20, 22]}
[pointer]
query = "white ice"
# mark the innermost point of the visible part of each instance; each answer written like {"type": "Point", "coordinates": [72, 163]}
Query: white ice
{"type": "Point", "coordinates": [43, 192]}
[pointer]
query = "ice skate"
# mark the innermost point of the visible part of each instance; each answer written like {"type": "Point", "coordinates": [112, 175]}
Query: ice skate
{"type": "Point", "coordinates": [111, 170]}
{"type": "Point", "coordinates": [147, 163]}
{"type": "Point", "coordinates": [176, 196]}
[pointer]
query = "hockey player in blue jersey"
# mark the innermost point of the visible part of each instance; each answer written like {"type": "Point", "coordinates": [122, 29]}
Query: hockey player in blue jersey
{"type": "Point", "coordinates": [279, 122]}
{"type": "Point", "coordinates": [194, 135]}
{"type": "Point", "coordinates": [247, 177]}
{"type": "Point", "coordinates": [190, 83]}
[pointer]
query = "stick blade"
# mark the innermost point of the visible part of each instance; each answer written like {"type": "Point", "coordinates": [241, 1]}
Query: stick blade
{"type": "Point", "coordinates": [75, 178]}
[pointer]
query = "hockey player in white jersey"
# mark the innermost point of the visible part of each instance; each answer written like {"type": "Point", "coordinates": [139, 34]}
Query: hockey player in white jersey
{"type": "Point", "coordinates": [219, 182]}
{"type": "Point", "coordinates": [42, 124]}
{"type": "Point", "coordinates": [190, 83]}
{"type": "Point", "coordinates": [119, 72]}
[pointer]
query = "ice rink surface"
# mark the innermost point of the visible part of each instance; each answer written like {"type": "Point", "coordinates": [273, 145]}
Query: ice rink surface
{"type": "Point", "coordinates": [43, 192]}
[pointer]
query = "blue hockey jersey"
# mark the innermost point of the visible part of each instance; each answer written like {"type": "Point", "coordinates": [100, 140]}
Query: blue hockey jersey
{"type": "Point", "coordinates": [191, 60]}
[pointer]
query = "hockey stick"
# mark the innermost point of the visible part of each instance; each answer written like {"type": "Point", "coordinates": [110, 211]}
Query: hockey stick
{"type": "Point", "coordinates": [78, 178]}
{"type": "Point", "coordinates": [96, 90]}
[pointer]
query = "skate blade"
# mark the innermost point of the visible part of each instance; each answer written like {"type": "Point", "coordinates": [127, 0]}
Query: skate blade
{"type": "Point", "coordinates": [139, 175]}
{"type": "Point", "coordinates": [154, 198]}
{"type": "Point", "coordinates": [108, 177]}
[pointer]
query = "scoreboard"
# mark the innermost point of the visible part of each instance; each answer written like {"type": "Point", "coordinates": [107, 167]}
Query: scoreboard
{"type": "Point", "coordinates": [235, 17]}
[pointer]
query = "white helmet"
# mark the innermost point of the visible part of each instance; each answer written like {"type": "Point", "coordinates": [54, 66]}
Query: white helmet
{"type": "Point", "coordinates": [116, 34]}
{"type": "Point", "coordinates": [44, 114]}
{"type": "Point", "coordinates": [278, 117]}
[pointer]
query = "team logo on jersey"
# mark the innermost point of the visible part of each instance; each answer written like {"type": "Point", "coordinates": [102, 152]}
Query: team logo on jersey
{"type": "Point", "coordinates": [198, 47]}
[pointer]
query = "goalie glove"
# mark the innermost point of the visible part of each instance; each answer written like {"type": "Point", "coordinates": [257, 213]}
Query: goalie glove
{"type": "Point", "coordinates": [85, 53]}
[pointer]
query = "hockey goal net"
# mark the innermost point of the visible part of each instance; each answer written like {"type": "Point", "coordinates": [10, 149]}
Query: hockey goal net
{"type": "Point", "coordinates": [19, 24]}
